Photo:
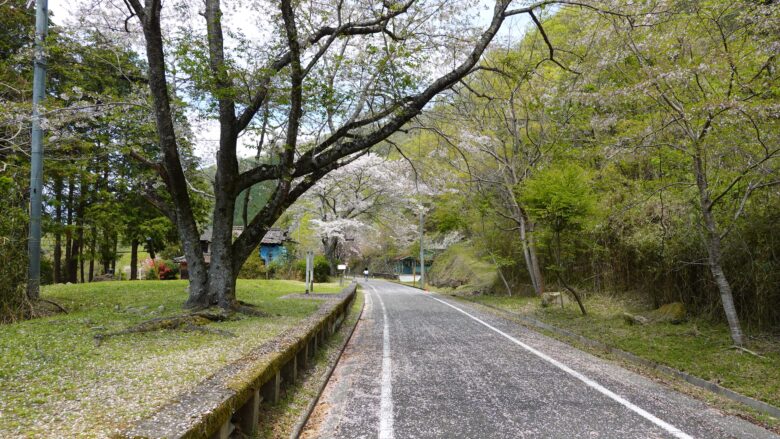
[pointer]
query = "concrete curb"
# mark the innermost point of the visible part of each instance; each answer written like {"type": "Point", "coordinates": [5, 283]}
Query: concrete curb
{"type": "Point", "coordinates": [693, 380]}
{"type": "Point", "coordinates": [230, 399]}
{"type": "Point", "coordinates": [299, 426]}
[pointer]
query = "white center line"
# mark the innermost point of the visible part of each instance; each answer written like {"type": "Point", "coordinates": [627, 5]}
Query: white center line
{"type": "Point", "coordinates": [671, 429]}
{"type": "Point", "coordinates": [386, 398]}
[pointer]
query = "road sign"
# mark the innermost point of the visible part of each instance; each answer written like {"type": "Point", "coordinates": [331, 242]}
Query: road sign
{"type": "Point", "coordinates": [342, 267]}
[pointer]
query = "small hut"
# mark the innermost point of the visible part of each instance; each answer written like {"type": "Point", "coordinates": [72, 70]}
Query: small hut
{"type": "Point", "coordinates": [272, 247]}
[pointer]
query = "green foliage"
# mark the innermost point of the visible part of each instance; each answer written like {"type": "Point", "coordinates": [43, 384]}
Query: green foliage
{"type": "Point", "coordinates": [448, 214]}
{"type": "Point", "coordinates": [159, 269]}
{"type": "Point", "coordinates": [601, 160]}
{"type": "Point", "coordinates": [460, 268]}
{"type": "Point", "coordinates": [151, 271]}
{"type": "Point", "coordinates": [13, 262]}
{"type": "Point", "coordinates": [560, 198]}
{"type": "Point", "coordinates": [321, 269]}
{"type": "Point", "coordinates": [16, 31]}
{"type": "Point", "coordinates": [254, 267]}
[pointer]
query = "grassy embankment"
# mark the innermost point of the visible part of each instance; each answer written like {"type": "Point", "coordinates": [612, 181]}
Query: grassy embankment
{"type": "Point", "coordinates": [55, 381]}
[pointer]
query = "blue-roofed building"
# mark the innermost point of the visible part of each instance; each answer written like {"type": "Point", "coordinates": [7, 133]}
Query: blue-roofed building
{"type": "Point", "coordinates": [272, 247]}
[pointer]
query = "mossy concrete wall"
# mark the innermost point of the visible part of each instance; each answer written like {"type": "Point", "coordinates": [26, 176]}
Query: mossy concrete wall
{"type": "Point", "coordinates": [207, 409]}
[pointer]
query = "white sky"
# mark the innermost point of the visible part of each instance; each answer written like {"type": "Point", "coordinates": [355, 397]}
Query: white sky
{"type": "Point", "coordinates": [207, 132]}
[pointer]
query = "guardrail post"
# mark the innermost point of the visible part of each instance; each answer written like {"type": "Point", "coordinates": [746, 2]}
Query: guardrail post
{"type": "Point", "coordinates": [270, 390]}
{"type": "Point", "coordinates": [313, 349]}
{"type": "Point", "coordinates": [290, 370]}
{"type": "Point", "coordinates": [224, 432]}
{"type": "Point", "coordinates": [248, 416]}
{"type": "Point", "coordinates": [303, 356]}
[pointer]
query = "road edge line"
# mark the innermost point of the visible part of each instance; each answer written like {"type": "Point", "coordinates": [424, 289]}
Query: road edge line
{"type": "Point", "coordinates": [669, 428]}
{"type": "Point", "coordinates": [695, 381]}
{"type": "Point", "coordinates": [386, 397]}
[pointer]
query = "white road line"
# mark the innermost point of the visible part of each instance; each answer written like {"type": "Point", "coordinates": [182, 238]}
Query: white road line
{"type": "Point", "coordinates": [671, 429]}
{"type": "Point", "coordinates": [386, 398]}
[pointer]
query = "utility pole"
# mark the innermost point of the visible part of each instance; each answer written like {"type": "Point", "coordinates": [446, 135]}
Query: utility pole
{"type": "Point", "coordinates": [36, 164]}
{"type": "Point", "coordinates": [422, 250]}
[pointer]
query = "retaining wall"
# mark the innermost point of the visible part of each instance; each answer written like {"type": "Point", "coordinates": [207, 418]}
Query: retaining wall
{"type": "Point", "coordinates": [230, 399]}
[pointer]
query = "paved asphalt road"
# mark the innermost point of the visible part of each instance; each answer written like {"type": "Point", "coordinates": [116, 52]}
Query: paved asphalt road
{"type": "Point", "coordinates": [424, 366]}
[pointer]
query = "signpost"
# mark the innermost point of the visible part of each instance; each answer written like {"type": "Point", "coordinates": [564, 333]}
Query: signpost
{"type": "Point", "coordinates": [309, 272]}
{"type": "Point", "coordinates": [342, 268]}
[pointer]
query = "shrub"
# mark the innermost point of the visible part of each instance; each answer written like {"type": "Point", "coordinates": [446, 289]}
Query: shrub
{"type": "Point", "coordinates": [151, 270]}
{"type": "Point", "coordinates": [158, 269]}
{"type": "Point", "coordinates": [321, 269]}
{"type": "Point", "coordinates": [13, 249]}
{"type": "Point", "coordinates": [47, 271]}
{"type": "Point", "coordinates": [299, 268]}
{"type": "Point", "coordinates": [167, 269]}
{"type": "Point", "coordinates": [254, 267]}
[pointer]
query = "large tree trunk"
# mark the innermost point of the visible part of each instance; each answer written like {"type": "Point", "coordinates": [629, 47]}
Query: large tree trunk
{"type": "Point", "coordinates": [173, 174]}
{"type": "Point", "coordinates": [73, 261]}
{"type": "Point", "coordinates": [529, 248]}
{"type": "Point", "coordinates": [713, 244]}
{"type": "Point", "coordinates": [134, 259]}
{"type": "Point", "coordinates": [115, 254]}
{"type": "Point", "coordinates": [222, 279]}
{"type": "Point", "coordinates": [534, 258]}
{"type": "Point", "coordinates": [81, 256]}
{"type": "Point", "coordinates": [330, 246]}
{"type": "Point", "coordinates": [92, 245]}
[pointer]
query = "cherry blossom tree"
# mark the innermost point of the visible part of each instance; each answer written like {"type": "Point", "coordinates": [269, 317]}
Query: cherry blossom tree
{"type": "Point", "coordinates": [351, 203]}
{"type": "Point", "coordinates": [345, 76]}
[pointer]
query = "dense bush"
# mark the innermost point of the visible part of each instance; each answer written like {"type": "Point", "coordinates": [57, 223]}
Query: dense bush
{"type": "Point", "coordinates": [159, 269]}
{"type": "Point", "coordinates": [321, 269]}
{"type": "Point", "coordinates": [254, 267]}
{"type": "Point", "coordinates": [13, 266]}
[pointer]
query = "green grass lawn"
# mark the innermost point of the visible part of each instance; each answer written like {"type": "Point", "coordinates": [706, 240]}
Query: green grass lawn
{"type": "Point", "coordinates": [698, 347]}
{"type": "Point", "coordinates": [56, 382]}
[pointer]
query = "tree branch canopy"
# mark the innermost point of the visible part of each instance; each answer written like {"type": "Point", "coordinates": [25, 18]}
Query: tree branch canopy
{"type": "Point", "coordinates": [336, 79]}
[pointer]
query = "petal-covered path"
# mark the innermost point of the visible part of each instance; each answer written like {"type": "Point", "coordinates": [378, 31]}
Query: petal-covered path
{"type": "Point", "coordinates": [423, 366]}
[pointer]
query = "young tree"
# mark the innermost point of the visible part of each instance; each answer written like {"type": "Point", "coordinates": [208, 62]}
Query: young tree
{"type": "Point", "coordinates": [347, 74]}
{"type": "Point", "coordinates": [562, 200]}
